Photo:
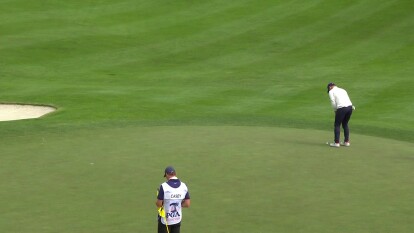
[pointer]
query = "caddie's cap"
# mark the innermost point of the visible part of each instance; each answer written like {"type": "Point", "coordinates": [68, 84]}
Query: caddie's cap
{"type": "Point", "coordinates": [330, 85]}
{"type": "Point", "coordinates": [169, 170]}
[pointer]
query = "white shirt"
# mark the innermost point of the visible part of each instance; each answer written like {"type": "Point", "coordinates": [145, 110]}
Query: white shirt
{"type": "Point", "coordinates": [339, 98]}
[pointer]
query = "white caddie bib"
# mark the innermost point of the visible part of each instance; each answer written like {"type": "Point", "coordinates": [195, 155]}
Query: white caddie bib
{"type": "Point", "coordinates": [172, 203]}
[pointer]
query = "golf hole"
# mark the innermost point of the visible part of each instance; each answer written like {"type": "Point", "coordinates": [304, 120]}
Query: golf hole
{"type": "Point", "coordinates": [13, 112]}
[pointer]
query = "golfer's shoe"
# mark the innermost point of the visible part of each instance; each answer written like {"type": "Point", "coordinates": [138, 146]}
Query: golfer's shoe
{"type": "Point", "coordinates": [345, 144]}
{"type": "Point", "coordinates": [334, 144]}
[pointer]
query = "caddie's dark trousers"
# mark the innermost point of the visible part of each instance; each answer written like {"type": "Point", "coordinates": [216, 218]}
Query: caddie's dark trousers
{"type": "Point", "coordinates": [342, 116]}
{"type": "Point", "coordinates": [173, 228]}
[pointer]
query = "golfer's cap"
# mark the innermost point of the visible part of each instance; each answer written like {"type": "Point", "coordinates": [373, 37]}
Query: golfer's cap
{"type": "Point", "coordinates": [169, 170]}
{"type": "Point", "coordinates": [330, 85]}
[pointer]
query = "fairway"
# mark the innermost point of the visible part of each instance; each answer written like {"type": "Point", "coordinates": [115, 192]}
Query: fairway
{"type": "Point", "coordinates": [231, 93]}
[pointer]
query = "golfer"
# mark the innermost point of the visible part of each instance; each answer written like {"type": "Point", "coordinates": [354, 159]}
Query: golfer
{"type": "Point", "coordinates": [172, 196]}
{"type": "Point", "coordinates": [342, 106]}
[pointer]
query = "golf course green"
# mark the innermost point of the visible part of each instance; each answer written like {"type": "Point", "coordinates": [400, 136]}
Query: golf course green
{"type": "Point", "coordinates": [230, 93]}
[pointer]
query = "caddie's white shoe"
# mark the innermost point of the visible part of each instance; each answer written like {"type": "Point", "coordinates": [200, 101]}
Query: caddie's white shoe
{"type": "Point", "coordinates": [345, 144]}
{"type": "Point", "coordinates": [334, 144]}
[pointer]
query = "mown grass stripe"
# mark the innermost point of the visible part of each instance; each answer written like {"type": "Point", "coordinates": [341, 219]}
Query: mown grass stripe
{"type": "Point", "coordinates": [227, 63]}
{"type": "Point", "coordinates": [103, 34]}
{"type": "Point", "coordinates": [98, 24]}
{"type": "Point", "coordinates": [216, 59]}
{"type": "Point", "coordinates": [318, 44]}
{"type": "Point", "coordinates": [147, 49]}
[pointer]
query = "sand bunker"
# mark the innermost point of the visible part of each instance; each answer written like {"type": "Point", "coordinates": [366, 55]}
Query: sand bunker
{"type": "Point", "coordinates": [12, 112]}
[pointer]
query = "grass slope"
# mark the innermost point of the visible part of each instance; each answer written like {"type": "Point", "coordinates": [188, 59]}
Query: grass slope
{"type": "Point", "coordinates": [135, 80]}
{"type": "Point", "coordinates": [240, 62]}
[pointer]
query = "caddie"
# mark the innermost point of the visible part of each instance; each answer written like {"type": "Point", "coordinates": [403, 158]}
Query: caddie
{"type": "Point", "coordinates": [172, 196]}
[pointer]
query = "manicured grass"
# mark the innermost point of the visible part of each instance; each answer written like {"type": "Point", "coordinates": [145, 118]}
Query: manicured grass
{"type": "Point", "coordinates": [211, 62]}
{"type": "Point", "coordinates": [241, 179]}
{"type": "Point", "coordinates": [232, 93]}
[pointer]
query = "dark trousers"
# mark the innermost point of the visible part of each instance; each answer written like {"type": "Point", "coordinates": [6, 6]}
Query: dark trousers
{"type": "Point", "coordinates": [342, 116]}
{"type": "Point", "coordinates": [172, 229]}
